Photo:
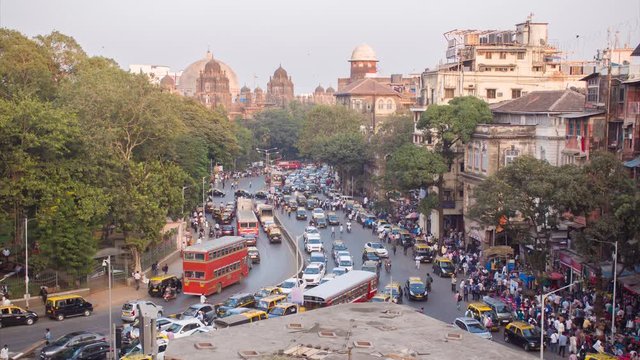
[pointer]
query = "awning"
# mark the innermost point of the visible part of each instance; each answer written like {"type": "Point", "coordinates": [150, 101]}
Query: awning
{"type": "Point", "coordinates": [633, 163]}
{"type": "Point", "coordinates": [581, 114]}
{"type": "Point", "coordinates": [590, 76]}
{"type": "Point", "coordinates": [631, 283]}
{"type": "Point", "coordinates": [632, 81]}
{"type": "Point", "coordinates": [572, 261]}
{"type": "Point", "coordinates": [500, 251]}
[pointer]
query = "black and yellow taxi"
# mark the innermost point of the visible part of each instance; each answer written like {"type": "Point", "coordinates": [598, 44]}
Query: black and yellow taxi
{"type": "Point", "coordinates": [13, 315]}
{"type": "Point", "coordinates": [443, 267]}
{"type": "Point", "coordinates": [62, 306]}
{"type": "Point", "coordinates": [250, 316]}
{"type": "Point", "coordinates": [266, 291]}
{"type": "Point", "coordinates": [416, 289]}
{"type": "Point", "coordinates": [422, 251]}
{"type": "Point", "coordinates": [394, 290]}
{"type": "Point", "coordinates": [158, 284]}
{"type": "Point", "coordinates": [478, 311]}
{"type": "Point", "coordinates": [522, 334]}
{"type": "Point", "coordinates": [269, 302]}
{"type": "Point", "coordinates": [599, 356]}
{"type": "Point", "coordinates": [235, 301]}
{"type": "Point", "coordinates": [381, 297]}
{"type": "Point", "coordinates": [284, 309]}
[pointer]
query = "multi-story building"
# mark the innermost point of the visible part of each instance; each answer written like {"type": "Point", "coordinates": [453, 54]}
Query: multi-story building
{"type": "Point", "coordinates": [280, 88]}
{"type": "Point", "coordinates": [155, 72]}
{"type": "Point", "coordinates": [498, 65]}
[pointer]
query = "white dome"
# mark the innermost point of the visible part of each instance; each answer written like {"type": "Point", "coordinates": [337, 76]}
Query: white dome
{"type": "Point", "coordinates": [363, 52]}
{"type": "Point", "coordinates": [187, 84]}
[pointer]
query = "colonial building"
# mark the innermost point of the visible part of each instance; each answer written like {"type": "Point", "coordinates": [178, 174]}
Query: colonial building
{"type": "Point", "coordinates": [370, 98]}
{"type": "Point", "coordinates": [188, 81]}
{"type": "Point", "coordinates": [155, 72]}
{"type": "Point", "coordinates": [212, 86]}
{"type": "Point", "coordinates": [498, 65]}
{"type": "Point", "coordinates": [280, 88]}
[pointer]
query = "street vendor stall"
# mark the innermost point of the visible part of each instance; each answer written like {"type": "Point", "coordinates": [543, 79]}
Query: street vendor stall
{"type": "Point", "coordinates": [497, 256]}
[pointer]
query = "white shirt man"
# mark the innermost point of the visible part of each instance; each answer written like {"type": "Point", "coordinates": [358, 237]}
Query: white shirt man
{"type": "Point", "coordinates": [203, 299]}
{"type": "Point", "coordinates": [4, 353]}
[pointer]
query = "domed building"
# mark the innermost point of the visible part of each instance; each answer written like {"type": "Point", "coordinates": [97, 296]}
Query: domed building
{"type": "Point", "coordinates": [168, 84]}
{"type": "Point", "coordinates": [280, 88]}
{"type": "Point", "coordinates": [188, 80]}
{"type": "Point", "coordinates": [363, 62]}
{"type": "Point", "coordinates": [212, 86]}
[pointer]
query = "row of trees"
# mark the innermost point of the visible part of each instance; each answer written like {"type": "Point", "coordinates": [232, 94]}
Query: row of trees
{"type": "Point", "coordinates": [86, 147]}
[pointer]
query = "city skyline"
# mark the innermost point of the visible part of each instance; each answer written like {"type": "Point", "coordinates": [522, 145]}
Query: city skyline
{"type": "Point", "coordinates": [255, 37]}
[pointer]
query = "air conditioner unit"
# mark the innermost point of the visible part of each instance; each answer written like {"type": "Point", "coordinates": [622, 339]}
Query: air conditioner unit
{"type": "Point", "coordinates": [470, 86]}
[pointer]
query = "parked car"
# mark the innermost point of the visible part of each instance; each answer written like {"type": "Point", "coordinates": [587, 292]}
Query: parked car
{"type": "Point", "coordinates": [131, 309]}
{"type": "Point", "coordinates": [98, 350]}
{"type": "Point", "coordinates": [473, 326]}
{"type": "Point", "coordinates": [72, 339]}
{"type": "Point", "coordinates": [522, 334]}
{"type": "Point", "coordinates": [13, 315]}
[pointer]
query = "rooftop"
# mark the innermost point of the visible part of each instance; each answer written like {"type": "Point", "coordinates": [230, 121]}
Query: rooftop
{"type": "Point", "coordinates": [367, 86]}
{"type": "Point", "coordinates": [348, 331]}
{"type": "Point", "coordinates": [553, 101]}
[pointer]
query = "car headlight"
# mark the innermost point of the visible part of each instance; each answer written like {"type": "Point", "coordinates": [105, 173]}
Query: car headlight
{"type": "Point", "coordinates": [411, 292]}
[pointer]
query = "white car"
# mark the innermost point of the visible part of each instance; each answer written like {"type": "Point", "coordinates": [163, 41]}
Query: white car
{"type": "Point", "coordinates": [310, 231]}
{"type": "Point", "coordinates": [313, 273]}
{"type": "Point", "coordinates": [346, 262]}
{"type": "Point", "coordinates": [473, 326]}
{"type": "Point", "coordinates": [337, 271]}
{"type": "Point", "coordinates": [338, 254]}
{"type": "Point", "coordinates": [384, 227]}
{"type": "Point", "coordinates": [131, 309]}
{"type": "Point", "coordinates": [379, 249]}
{"type": "Point", "coordinates": [288, 285]}
{"type": "Point", "coordinates": [183, 328]}
{"type": "Point", "coordinates": [317, 213]}
{"type": "Point", "coordinates": [133, 330]}
{"type": "Point", "coordinates": [314, 244]}
{"type": "Point", "coordinates": [266, 224]}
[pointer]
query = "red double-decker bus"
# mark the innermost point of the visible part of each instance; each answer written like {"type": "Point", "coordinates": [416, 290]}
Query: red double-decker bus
{"type": "Point", "coordinates": [354, 286]}
{"type": "Point", "coordinates": [246, 220]}
{"type": "Point", "coordinates": [214, 264]}
{"type": "Point", "coordinates": [289, 165]}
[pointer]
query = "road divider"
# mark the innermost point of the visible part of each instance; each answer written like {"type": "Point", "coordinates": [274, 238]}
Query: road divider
{"type": "Point", "coordinates": [292, 240]}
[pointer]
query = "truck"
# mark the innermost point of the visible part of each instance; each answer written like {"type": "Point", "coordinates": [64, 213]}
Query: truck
{"type": "Point", "coordinates": [264, 212]}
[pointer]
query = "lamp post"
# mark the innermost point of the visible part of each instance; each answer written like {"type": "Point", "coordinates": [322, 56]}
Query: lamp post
{"type": "Point", "coordinates": [267, 153]}
{"type": "Point", "coordinates": [615, 280]}
{"type": "Point", "coordinates": [26, 262]}
{"type": "Point", "coordinates": [543, 298]}
{"type": "Point", "coordinates": [106, 263]}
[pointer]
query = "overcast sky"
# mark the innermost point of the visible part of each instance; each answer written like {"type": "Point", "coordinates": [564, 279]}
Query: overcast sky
{"type": "Point", "coordinates": [311, 39]}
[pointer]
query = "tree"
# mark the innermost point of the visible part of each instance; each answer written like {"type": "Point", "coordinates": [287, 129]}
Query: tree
{"type": "Point", "coordinates": [347, 152]}
{"type": "Point", "coordinates": [451, 126]}
{"type": "Point", "coordinates": [277, 129]}
{"type": "Point", "coordinates": [412, 167]}
{"type": "Point", "coordinates": [392, 134]}
{"type": "Point", "coordinates": [65, 54]}
{"type": "Point", "coordinates": [323, 122]}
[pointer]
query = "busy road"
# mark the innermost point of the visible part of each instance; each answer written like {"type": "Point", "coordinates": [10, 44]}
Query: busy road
{"type": "Point", "coordinates": [278, 263]}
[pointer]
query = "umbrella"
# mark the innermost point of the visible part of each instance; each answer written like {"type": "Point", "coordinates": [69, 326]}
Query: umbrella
{"type": "Point", "coordinates": [413, 215]}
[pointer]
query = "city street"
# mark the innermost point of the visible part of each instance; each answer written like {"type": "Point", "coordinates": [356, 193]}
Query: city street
{"type": "Point", "coordinates": [277, 264]}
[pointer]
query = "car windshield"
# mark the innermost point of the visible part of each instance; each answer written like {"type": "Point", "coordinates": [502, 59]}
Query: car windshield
{"type": "Point", "coordinates": [174, 328]}
{"type": "Point", "coordinates": [127, 306]}
{"type": "Point", "coordinates": [312, 270]}
{"type": "Point", "coordinates": [314, 241]}
{"type": "Point", "coordinates": [369, 268]}
{"type": "Point", "coordinates": [263, 292]}
{"type": "Point", "coordinates": [372, 256]}
{"type": "Point", "coordinates": [531, 333]}
{"type": "Point", "coordinates": [263, 304]}
{"type": "Point", "coordinates": [253, 252]}
{"type": "Point", "coordinates": [288, 284]}
{"type": "Point", "coordinates": [316, 259]}
{"type": "Point", "coordinates": [416, 287]}
{"type": "Point", "coordinates": [191, 311]}
{"type": "Point", "coordinates": [312, 231]}
{"type": "Point", "coordinates": [345, 262]}
{"type": "Point", "coordinates": [446, 265]}
{"type": "Point", "coordinates": [277, 311]}
{"type": "Point", "coordinates": [339, 271]}
{"type": "Point", "coordinates": [377, 246]}
{"type": "Point", "coordinates": [231, 302]}
{"type": "Point", "coordinates": [476, 328]}
{"type": "Point", "coordinates": [339, 247]}
{"type": "Point", "coordinates": [393, 291]}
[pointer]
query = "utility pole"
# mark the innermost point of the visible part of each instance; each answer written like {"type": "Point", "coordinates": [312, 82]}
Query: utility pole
{"type": "Point", "coordinates": [608, 113]}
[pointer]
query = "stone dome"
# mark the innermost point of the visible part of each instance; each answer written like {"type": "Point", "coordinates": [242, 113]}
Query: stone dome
{"type": "Point", "coordinates": [319, 89]}
{"type": "Point", "coordinates": [258, 89]}
{"type": "Point", "coordinates": [363, 52]}
{"type": "Point", "coordinates": [187, 85]}
{"type": "Point", "coordinates": [212, 66]}
{"type": "Point", "coordinates": [330, 90]}
{"type": "Point", "coordinates": [280, 73]}
{"type": "Point", "coordinates": [167, 81]}
{"type": "Point", "coordinates": [245, 89]}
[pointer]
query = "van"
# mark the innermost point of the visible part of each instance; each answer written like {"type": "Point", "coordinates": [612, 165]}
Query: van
{"type": "Point", "coordinates": [244, 318]}
{"type": "Point", "coordinates": [269, 302]}
{"type": "Point", "coordinates": [500, 308]}
{"type": "Point", "coordinates": [60, 307]}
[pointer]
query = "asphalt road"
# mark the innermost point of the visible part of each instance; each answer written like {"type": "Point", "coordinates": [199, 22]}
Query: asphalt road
{"type": "Point", "coordinates": [277, 264]}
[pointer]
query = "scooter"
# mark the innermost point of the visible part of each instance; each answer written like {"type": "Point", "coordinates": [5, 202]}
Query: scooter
{"type": "Point", "coordinates": [349, 228]}
{"type": "Point", "coordinates": [169, 294]}
{"type": "Point", "coordinates": [387, 266]}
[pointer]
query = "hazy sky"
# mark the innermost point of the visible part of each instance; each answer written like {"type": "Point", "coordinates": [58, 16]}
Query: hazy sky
{"type": "Point", "coordinates": [311, 39]}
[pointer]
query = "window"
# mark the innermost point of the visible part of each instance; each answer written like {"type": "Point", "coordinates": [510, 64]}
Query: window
{"type": "Point", "coordinates": [487, 55]}
{"type": "Point", "coordinates": [516, 93]}
{"type": "Point", "coordinates": [593, 81]}
{"type": "Point", "coordinates": [469, 157]}
{"type": "Point", "coordinates": [510, 155]}
{"type": "Point", "coordinates": [448, 93]}
{"type": "Point", "coordinates": [461, 166]}
{"type": "Point", "coordinates": [543, 153]}
{"type": "Point", "coordinates": [503, 55]}
{"type": "Point", "coordinates": [536, 68]}
{"type": "Point", "coordinates": [389, 105]}
{"type": "Point", "coordinates": [592, 94]}
{"type": "Point", "coordinates": [491, 93]}
{"type": "Point", "coordinates": [485, 160]}
{"type": "Point", "coordinates": [576, 70]}
{"type": "Point", "coordinates": [578, 128]}
{"type": "Point", "coordinates": [621, 94]}
{"type": "Point", "coordinates": [570, 132]}
{"type": "Point", "coordinates": [520, 56]}
{"type": "Point", "coordinates": [380, 104]}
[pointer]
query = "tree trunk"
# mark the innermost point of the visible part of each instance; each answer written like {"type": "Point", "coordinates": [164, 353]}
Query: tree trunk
{"type": "Point", "coordinates": [135, 255]}
{"type": "Point", "coordinates": [439, 185]}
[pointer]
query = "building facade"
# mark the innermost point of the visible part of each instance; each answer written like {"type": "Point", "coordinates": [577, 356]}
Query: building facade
{"type": "Point", "coordinates": [280, 88]}
{"type": "Point", "coordinates": [212, 86]}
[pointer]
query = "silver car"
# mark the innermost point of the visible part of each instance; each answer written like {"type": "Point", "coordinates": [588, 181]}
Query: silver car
{"type": "Point", "coordinates": [131, 309]}
{"type": "Point", "coordinates": [473, 326]}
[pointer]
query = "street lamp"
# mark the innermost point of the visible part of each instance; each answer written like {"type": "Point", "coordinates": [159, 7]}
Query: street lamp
{"type": "Point", "coordinates": [615, 280]}
{"type": "Point", "coordinates": [26, 262]}
{"type": "Point", "coordinates": [543, 298]}
{"type": "Point", "coordinates": [106, 263]}
{"type": "Point", "coordinates": [267, 153]}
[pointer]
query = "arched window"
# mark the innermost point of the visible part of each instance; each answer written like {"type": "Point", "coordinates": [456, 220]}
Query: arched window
{"type": "Point", "coordinates": [380, 104]}
{"type": "Point", "coordinates": [389, 105]}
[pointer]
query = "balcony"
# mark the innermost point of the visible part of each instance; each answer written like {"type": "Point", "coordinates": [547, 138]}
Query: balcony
{"type": "Point", "coordinates": [448, 204]}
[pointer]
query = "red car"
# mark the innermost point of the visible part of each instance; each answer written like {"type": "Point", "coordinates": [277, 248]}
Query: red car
{"type": "Point", "coordinates": [227, 230]}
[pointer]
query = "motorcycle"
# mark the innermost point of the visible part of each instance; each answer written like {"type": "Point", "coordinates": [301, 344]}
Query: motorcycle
{"type": "Point", "coordinates": [387, 266]}
{"type": "Point", "coordinates": [169, 294]}
{"type": "Point", "coordinates": [349, 228]}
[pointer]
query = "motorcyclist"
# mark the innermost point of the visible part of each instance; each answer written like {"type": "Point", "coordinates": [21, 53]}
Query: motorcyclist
{"type": "Point", "coordinates": [387, 265]}
{"type": "Point", "coordinates": [348, 226]}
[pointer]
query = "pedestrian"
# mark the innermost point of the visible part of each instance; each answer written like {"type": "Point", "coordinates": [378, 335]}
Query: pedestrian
{"type": "Point", "coordinates": [553, 342]}
{"type": "Point", "coordinates": [465, 292]}
{"type": "Point", "coordinates": [573, 343]}
{"type": "Point", "coordinates": [333, 232]}
{"type": "Point", "coordinates": [137, 278]}
{"type": "Point", "coordinates": [458, 298]}
{"type": "Point", "coordinates": [165, 268]}
{"type": "Point", "coordinates": [154, 268]}
{"type": "Point", "coordinates": [454, 283]}
{"type": "Point", "coordinates": [428, 281]}
{"type": "Point", "coordinates": [203, 298]}
{"type": "Point", "coordinates": [249, 184]}
{"type": "Point", "coordinates": [4, 353]}
{"type": "Point", "coordinates": [417, 264]}
{"type": "Point", "coordinates": [562, 344]}
{"type": "Point", "coordinates": [44, 294]}
{"type": "Point", "coordinates": [395, 248]}
{"type": "Point", "coordinates": [47, 336]}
